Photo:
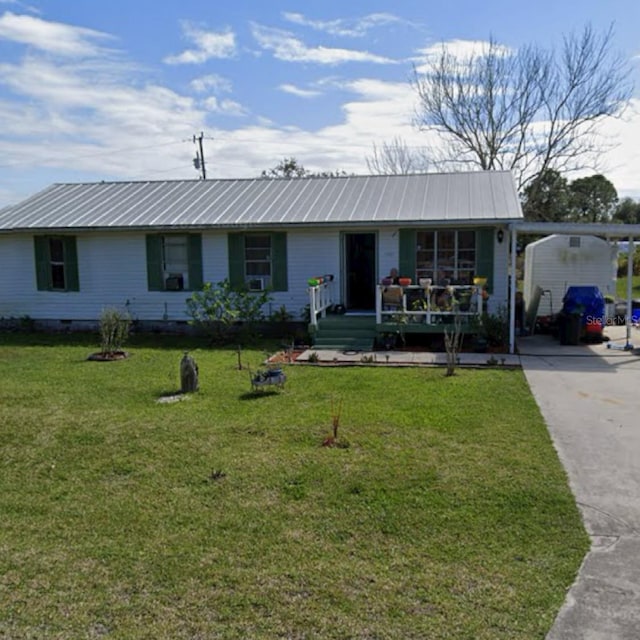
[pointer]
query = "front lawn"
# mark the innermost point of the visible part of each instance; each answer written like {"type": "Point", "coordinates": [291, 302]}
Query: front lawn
{"type": "Point", "coordinates": [447, 515]}
{"type": "Point", "coordinates": [621, 287]}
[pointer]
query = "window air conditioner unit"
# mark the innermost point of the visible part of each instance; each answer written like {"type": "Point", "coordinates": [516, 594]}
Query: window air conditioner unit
{"type": "Point", "coordinates": [256, 284]}
{"type": "Point", "coordinates": [174, 282]}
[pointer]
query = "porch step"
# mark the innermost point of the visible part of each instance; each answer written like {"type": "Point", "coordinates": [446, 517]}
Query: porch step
{"type": "Point", "coordinates": [346, 333]}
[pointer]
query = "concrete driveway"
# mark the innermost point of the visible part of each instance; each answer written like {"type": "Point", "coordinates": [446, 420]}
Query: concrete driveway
{"type": "Point", "coordinates": [589, 397]}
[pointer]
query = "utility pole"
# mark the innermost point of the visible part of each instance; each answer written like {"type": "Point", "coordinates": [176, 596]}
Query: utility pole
{"type": "Point", "coordinates": [198, 161]}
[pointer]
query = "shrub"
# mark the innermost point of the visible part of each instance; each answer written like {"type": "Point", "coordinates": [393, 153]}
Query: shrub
{"type": "Point", "coordinates": [623, 262]}
{"type": "Point", "coordinates": [114, 329]}
{"type": "Point", "coordinates": [219, 309]}
{"type": "Point", "coordinates": [495, 328]}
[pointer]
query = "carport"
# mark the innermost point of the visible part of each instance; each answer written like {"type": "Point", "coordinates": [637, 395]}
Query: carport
{"type": "Point", "coordinates": [608, 231]}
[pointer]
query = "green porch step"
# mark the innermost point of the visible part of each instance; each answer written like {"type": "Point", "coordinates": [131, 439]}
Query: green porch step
{"type": "Point", "coordinates": [345, 333]}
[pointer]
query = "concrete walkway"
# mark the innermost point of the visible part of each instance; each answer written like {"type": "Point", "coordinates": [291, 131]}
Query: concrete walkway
{"type": "Point", "coordinates": [589, 397]}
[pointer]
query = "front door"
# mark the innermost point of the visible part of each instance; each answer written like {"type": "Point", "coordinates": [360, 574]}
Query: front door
{"type": "Point", "coordinates": [360, 271]}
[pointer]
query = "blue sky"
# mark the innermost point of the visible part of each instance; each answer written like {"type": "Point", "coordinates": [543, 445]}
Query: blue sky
{"type": "Point", "coordinates": [116, 90]}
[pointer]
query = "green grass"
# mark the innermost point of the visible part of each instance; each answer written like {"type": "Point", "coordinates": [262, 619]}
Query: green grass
{"type": "Point", "coordinates": [621, 287]}
{"type": "Point", "coordinates": [448, 515]}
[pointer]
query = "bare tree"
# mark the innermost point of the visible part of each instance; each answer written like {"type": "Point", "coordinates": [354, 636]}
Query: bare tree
{"type": "Point", "coordinates": [527, 110]}
{"type": "Point", "coordinates": [396, 158]}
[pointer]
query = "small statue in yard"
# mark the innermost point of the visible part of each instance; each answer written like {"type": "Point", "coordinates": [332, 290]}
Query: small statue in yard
{"type": "Point", "coordinates": [188, 374]}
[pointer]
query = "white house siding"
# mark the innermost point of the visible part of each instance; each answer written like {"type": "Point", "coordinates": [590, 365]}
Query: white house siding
{"type": "Point", "coordinates": [310, 252]}
{"type": "Point", "coordinates": [17, 274]}
{"type": "Point", "coordinates": [112, 271]}
{"type": "Point", "coordinates": [499, 298]}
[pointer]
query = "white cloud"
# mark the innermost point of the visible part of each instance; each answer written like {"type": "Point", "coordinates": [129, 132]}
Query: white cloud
{"type": "Point", "coordinates": [225, 107]}
{"type": "Point", "coordinates": [285, 46]}
{"type": "Point", "coordinates": [213, 82]}
{"type": "Point", "coordinates": [621, 162]}
{"type": "Point", "coordinates": [208, 44]}
{"type": "Point", "coordinates": [355, 28]}
{"type": "Point", "coordinates": [51, 37]}
{"type": "Point", "coordinates": [80, 117]}
{"type": "Point", "coordinates": [458, 49]}
{"type": "Point", "coordinates": [300, 93]}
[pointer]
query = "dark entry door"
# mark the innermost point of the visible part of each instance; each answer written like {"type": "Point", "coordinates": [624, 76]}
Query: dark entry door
{"type": "Point", "coordinates": [360, 271]}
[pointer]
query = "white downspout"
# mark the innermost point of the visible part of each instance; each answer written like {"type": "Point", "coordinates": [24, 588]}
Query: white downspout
{"type": "Point", "coordinates": [513, 234]}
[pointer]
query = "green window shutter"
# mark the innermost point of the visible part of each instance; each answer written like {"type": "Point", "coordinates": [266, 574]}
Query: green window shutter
{"type": "Point", "coordinates": [279, 261]}
{"type": "Point", "coordinates": [235, 245]}
{"type": "Point", "coordinates": [484, 255]}
{"type": "Point", "coordinates": [154, 263]}
{"type": "Point", "coordinates": [195, 261]}
{"type": "Point", "coordinates": [72, 280]}
{"type": "Point", "coordinates": [407, 248]}
{"type": "Point", "coordinates": [41, 251]}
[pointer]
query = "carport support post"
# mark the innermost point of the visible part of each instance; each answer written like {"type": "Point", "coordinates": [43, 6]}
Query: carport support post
{"type": "Point", "coordinates": [513, 232]}
{"type": "Point", "coordinates": [630, 252]}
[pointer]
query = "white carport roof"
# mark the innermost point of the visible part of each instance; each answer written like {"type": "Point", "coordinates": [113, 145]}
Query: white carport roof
{"type": "Point", "coordinates": [609, 230]}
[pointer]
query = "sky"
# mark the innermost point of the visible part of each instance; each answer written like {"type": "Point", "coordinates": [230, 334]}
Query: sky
{"type": "Point", "coordinates": [93, 90]}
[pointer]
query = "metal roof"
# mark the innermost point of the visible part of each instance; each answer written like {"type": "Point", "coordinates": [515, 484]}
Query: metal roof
{"type": "Point", "coordinates": [483, 196]}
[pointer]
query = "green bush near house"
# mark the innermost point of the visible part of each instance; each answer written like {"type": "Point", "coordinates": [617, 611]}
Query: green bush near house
{"type": "Point", "coordinates": [448, 516]}
{"type": "Point", "coordinates": [218, 309]}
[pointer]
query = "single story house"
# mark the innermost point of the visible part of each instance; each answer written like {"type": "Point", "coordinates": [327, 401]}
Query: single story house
{"type": "Point", "coordinates": [73, 249]}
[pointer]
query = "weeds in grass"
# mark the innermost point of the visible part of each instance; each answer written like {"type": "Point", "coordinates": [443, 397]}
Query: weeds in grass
{"type": "Point", "coordinates": [336, 411]}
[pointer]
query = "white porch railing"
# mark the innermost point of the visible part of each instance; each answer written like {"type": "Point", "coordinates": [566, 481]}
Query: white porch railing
{"type": "Point", "coordinates": [320, 299]}
{"type": "Point", "coordinates": [430, 304]}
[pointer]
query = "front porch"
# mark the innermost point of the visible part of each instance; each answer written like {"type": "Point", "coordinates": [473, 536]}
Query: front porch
{"type": "Point", "coordinates": [402, 313]}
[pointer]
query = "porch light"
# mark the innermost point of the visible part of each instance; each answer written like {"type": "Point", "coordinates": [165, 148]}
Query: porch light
{"type": "Point", "coordinates": [500, 235]}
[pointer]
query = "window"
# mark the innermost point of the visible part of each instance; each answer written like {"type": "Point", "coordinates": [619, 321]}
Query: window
{"type": "Point", "coordinates": [446, 255]}
{"type": "Point", "coordinates": [174, 262]}
{"type": "Point", "coordinates": [258, 261]}
{"type": "Point", "coordinates": [56, 263]}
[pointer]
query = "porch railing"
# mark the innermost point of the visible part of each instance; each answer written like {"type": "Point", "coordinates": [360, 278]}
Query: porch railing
{"type": "Point", "coordinates": [430, 304]}
{"type": "Point", "coordinates": [320, 299]}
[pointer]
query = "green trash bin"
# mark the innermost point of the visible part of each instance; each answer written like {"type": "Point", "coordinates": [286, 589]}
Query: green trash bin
{"type": "Point", "coordinates": [570, 327]}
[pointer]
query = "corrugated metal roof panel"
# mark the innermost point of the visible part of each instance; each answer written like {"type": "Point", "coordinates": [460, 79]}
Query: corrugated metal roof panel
{"type": "Point", "coordinates": [427, 198]}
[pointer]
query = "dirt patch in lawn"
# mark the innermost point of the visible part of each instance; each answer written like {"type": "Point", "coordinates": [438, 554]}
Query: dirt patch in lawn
{"type": "Point", "coordinates": [111, 356]}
